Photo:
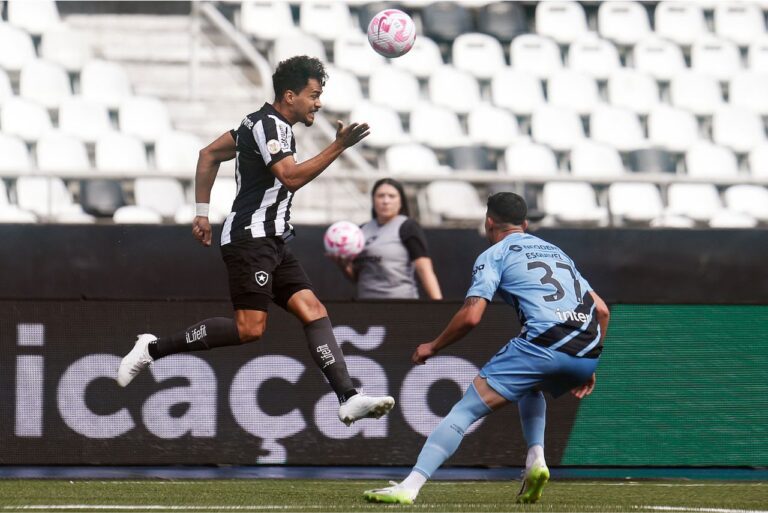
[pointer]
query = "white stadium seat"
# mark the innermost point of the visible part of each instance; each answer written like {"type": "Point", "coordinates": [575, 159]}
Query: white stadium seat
{"type": "Point", "coordinates": [61, 154]}
{"type": "Point", "coordinates": [144, 117]}
{"type": "Point", "coordinates": [696, 92]}
{"type": "Point", "coordinates": [658, 57]}
{"type": "Point", "coordinates": [633, 90]}
{"type": "Point", "coordinates": [120, 153]}
{"type": "Point", "coordinates": [435, 126]}
{"type": "Point", "coordinates": [67, 48]}
{"type": "Point", "coordinates": [423, 59]}
{"type": "Point", "coordinates": [740, 22]}
{"type": "Point", "coordinates": [44, 196]}
{"type": "Point", "coordinates": [34, 17]}
{"type": "Point", "coordinates": [593, 56]}
{"type": "Point", "coordinates": [163, 195]}
{"type": "Point", "coordinates": [717, 58]}
{"type": "Point", "coordinates": [707, 160]}
{"type": "Point", "coordinates": [757, 55]}
{"type": "Point", "coordinates": [737, 128]}
{"type": "Point", "coordinates": [15, 215]}
{"type": "Point", "coordinates": [23, 48]}
{"type": "Point", "coordinates": [617, 127]}
{"type": "Point", "coordinates": [132, 214]}
{"type": "Point", "coordinates": [672, 129]}
{"type": "Point", "coordinates": [624, 23]}
{"type": "Point", "coordinates": [680, 22]}
{"type": "Point", "coordinates": [527, 158]}
{"type": "Point", "coordinates": [731, 219]}
{"type": "Point", "coordinates": [454, 89]}
{"type": "Point", "coordinates": [635, 202]}
{"type": "Point", "coordinates": [535, 54]}
{"type": "Point", "coordinates": [393, 87]}
{"type": "Point", "coordinates": [454, 201]}
{"type": "Point", "coordinates": [223, 195]}
{"type": "Point", "coordinates": [104, 82]}
{"type": "Point", "coordinates": [15, 154]}
{"type": "Point", "coordinates": [557, 127]}
{"type": "Point", "coordinates": [478, 54]}
{"type": "Point", "coordinates": [573, 90]}
{"type": "Point", "coordinates": [749, 90]}
{"type": "Point", "coordinates": [573, 202]}
{"type": "Point", "coordinates": [388, 127]}
{"type": "Point", "coordinates": [491, 126]}
{"type": "Point", "coordinates": [177, 152]}
{"type": "Point", "coordinates": [326, 20]}
{"type": "Point", "coordinates": [697, 201]}
{"type": "Point", "coordinates": [411, 158]}
{"type": "Point", "coordinates": [590, 159]}
{"type": "Point", "coordinates": [295, 42]}
{"type": "Point", "coordinates": [519, 91]}
{"type": "Point", "coordinates": [758, 161]}
{"type": "Point", "coordinates": [83, 118]}
{"type": "Point", "coordinates": [563, 21]}
{"type": "Point", "coordinates": [342, 90]}
{"type": "Point", "coordinates": [748, 199]}
{"type": "Point", "coordinates": [352, 52]}
{"type": "Point", "coordinates": [45, 83]}
{"type": "Point", "coordinates": [25, 119]}
{"type": "Point", "coordinates": [266, 20]}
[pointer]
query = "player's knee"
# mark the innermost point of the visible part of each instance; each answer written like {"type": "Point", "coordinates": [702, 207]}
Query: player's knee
{"type": "Point", "coordinates": [250, 332]}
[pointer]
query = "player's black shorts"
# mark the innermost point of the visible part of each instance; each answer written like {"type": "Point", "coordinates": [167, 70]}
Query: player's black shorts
{"type": "Point", "coordinates": [262, 269]}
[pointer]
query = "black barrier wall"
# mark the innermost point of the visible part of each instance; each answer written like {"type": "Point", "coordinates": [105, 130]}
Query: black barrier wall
{"type": "Point", "coordinates": [260, 403]}
{"type": "Point", "coordinates": [164, 262]}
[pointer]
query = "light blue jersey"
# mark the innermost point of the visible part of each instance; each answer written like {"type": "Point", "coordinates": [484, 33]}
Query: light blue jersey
{"type": "Point", "coordinates": [551, 298]}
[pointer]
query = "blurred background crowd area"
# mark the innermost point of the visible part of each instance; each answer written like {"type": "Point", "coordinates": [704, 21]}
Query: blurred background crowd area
{"type": "Point", "coordinates": [621, 113]}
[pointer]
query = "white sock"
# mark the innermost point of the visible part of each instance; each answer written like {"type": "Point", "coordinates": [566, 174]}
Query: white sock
{"type": "Point", "coordinates": [535, 452]}
{"type": "Point", "coordinates": [414, 481]}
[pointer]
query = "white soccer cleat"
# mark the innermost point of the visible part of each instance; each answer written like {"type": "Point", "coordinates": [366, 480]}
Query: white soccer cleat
{"type": "Point", "coordinates": [135, 361]}
{"type": "Point", "coordinates": [361, 406]}
{"type": "Point", "coordinates": [394, 494]}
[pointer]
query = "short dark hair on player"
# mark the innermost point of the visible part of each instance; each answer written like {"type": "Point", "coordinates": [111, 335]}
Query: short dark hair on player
{"type": "Point", "coordinates": [400, 190]}
{"type": "Point", "coordinates": [293, 74]}
{"type": "Point", "coordinates": [508, 208]}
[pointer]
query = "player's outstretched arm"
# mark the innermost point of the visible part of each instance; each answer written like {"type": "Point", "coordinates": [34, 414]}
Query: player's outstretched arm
{"type": "Point", "coordinates": [469, 315]}
{"type": "Point", "coordinates": [294, 176]}
{"type": "Point", "coordinates": [208, 162]}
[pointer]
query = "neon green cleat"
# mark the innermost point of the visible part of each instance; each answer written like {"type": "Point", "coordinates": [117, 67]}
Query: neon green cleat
{"type": "Point", "coordinates": [391, 495]}
{"type": "Point", "coordinates": [534, 480]}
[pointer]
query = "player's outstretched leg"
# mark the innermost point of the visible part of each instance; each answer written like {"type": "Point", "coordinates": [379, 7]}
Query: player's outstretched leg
{"type": "Point", "coordinates": [135, 361]}
{"type": "Point", "coordinates": [395, 494]}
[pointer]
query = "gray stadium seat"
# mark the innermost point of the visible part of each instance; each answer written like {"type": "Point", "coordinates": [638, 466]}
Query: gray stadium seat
{"type": "Point", "coordinates": [651, 160]}
{"type": "Point", "coordinates": [444, 21]}
{"type": "Point", "coordinates": [101, 197]}
{"type": "Point", "coordinates": [471, 158]}
{"type": "Point", "coordinates": [502, 20]}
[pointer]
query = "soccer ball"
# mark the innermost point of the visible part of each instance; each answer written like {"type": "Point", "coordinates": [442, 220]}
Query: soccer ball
{"type": "Point", "coordinates": [391, 33]}
{"type": "Point", "coordinates": [344, 239]}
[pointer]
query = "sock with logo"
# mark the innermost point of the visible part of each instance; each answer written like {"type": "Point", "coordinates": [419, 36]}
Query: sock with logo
{"type": "Point", "coordinates": [328, 356]}
{"type": "Point", "coordinates": [447, 436]}
{"type": "Point", "coordinates": [205, 335]}
{"type": "Point", "coordinates": [533, 418]}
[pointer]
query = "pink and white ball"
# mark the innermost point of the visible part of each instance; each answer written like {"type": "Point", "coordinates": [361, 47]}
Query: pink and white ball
{"type": "Point", "coordinates": [391, 33]}
{"type": "Point", "coordinates": [344, 239]}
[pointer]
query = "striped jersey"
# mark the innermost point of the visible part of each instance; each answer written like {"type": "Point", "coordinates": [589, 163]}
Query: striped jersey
{"type": "Point", "coordinates": [541, 282]}
{"type": "Point", "coordinates": [262, 204]}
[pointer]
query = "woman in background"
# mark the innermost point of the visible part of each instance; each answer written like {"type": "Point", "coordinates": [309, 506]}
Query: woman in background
{"type": "Point", "coordinates": [395, 250]}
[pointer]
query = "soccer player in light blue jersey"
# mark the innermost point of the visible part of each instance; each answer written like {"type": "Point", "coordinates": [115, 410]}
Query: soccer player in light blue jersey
{"type": "Point", "coordinates": [557, 350]}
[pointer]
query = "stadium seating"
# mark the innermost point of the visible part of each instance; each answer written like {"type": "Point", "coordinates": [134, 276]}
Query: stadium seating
{"type": "Point", "coordinates": [266, 20]}
{"type": "Point", "coordinates": [61, 154]}
{"type": "Point", "coordinates": [658, 57]}
{"type": "Point", "coordinates": [45, 83]}
{"type": "Point", "coordinates": [435, 126]}
{"type": "Point", "coordinates": [121, 153]}
{"type": "Point", "coordinates": [502, 20]}
{"type": "Point", "coordinates": [453, 89]}
{"type": "Point", "coordinates": [573, 90]}
{"type": "Point", "coordinates": [651, 160]}
{"type": "Point", "coordinates": [163, 195]}
{"type": "Point", "coordinates": [617, 127]}
{"type": "Point", "coordinates": [411, 158]}
{"type": "Point", "coordinates": [672, 129]}
{"type": "Point", "coordinates": [737, 129]}
{"type": "Point", "coordinates": [23, 48]}
{"type": "Point", "coordinates": [342, 91]}
{"type": "Point", "coordinates": [422, 60]}
{"type": "Point", "coordinates": [444, 21]}
{"type": "Point", "coordinates": [393, 87]}
{"type": "Point", "coordinates": [696, 92]}
{"type": "Point", "coordinates": [389, 128]}
{"type": "Point", "coordinates": [491, 126]}
{"type": "Point", "coordinates": [177, 152]}
{"type": "Point", "coordinates": [326, 20]}
{"type": "Point", "coordinates": [624, 23]}
{"type": "Point", "coordinates": [101, 197]}
{"type": "Point", "coordinates": [591, 159]}
{"type": "Point", "coordinates": [747, 91]}
{"type": "Point", "coordinates": [144, 117]}
{"type": "Point", "coordinates": [132, 214]}
{"type": "Point", "coordinates": [352, 52]}
{"type": "Point", "coordinates": [527, 158]}
{"type": "Point", "coordinates": [67, 48]}
{"type": "Point", "coordinates": [707, 160]}
{"type": "Point", "coordinates": [681, 23]}
{"type": "Point", "coordinates": [16, 157]}
{"type": "Point", "coordinates": [536, 55]}
{"type": "Point", "coordinates": [222, 195]}
{"type": "Point", "coordinates": [557, 127]}
{"type": "Point", "coordinates": [6, 90]}
{"type": "Point", "coordinates": [740, 22]}
{"type": "Point", "coordinates": [758, 161]}
{"type": "Point", "coordinates": [593, 56]}
{"type": "Point", "coordinates": [748, 199]}
{"type": "Point", "coordinates": [715, 57]}
{"type": "Point", "coordinates": [518, 91]}
{"type": "Point", "coordinates": [572, 203]}
{"type": "Point", "coordinates": [453, 202]}
{"type": "Point", "coordinates": [43, 196]}
{"type": "Point", "coordinates": [564, 22]}
{"type": "Point", "coordinates": [34, 17]}
{"type": "Point", "coordinates": [757, 54]}
{"type": "Point", "coordinates": [470, 158]}
{"type": "Point", "coordinates": [633, 90]}
{"type": "Point", "coordinates": [635, 202]}
{"type": "Point", "coordinates": [478, 54]}
{"type": "Point", "coordinates": [295, 42]}
{"type": "Point", "coordinates": [25, 119]}
{"type": "Point", "coordinates": [84, 119]}
{"type": "Point", "coordinates": [697, 201]}
{"type": "Point", "coordinates": [104, 82]}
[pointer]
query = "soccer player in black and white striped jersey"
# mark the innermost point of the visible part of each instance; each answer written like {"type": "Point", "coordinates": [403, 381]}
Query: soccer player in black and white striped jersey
{"type": "Point", "coordinates": [260, 265]}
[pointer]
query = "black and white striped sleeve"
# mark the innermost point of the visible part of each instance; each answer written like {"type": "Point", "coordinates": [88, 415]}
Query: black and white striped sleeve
{"type": "Point", "coordinates": [274, 138]}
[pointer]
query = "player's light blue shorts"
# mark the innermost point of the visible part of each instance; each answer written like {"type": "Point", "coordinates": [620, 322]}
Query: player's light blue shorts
{"type": "Point", "coordinates": [520, 367]}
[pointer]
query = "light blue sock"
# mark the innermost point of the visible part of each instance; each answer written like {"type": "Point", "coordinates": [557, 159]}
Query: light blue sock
{"type": "Point", "coordinates": [533, 417]}
{"type": "Point", "coordinates": [447, 436]}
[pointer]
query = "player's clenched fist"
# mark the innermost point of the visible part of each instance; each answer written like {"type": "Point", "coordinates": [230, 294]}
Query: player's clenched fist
{"type": "Point", "coordinates": [201, 230]}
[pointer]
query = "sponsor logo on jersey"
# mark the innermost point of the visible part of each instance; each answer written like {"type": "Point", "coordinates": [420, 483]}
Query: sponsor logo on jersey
{"type": "Point", "coordinates": [261, 278]}
{"type": "Point", "coordinates": [248, 123]}
{"type": "Point", "coordinates": [477, 269]}
{"type": "Point", "coordinates": [282, 131]}
{"type": "Point", "coordinates": [194, 335]}
{"type": "Point", "coordinates": [516, 248]}
{"type": "Point", "coordinates": [571, 315]}
{"type": "Point", "coordinates": [273, 146]}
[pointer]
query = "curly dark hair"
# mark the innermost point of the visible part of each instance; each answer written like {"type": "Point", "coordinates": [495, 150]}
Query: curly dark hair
{"type": "Point", "coordinates": [293, 74]}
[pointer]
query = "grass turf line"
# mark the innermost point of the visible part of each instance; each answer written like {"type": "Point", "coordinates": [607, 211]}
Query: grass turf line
{"type": "Point", "coordinates": [346, 495]}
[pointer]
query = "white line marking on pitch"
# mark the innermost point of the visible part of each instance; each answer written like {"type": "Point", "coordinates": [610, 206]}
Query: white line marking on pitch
{"type": "Point", "coordinates": [700, 510]}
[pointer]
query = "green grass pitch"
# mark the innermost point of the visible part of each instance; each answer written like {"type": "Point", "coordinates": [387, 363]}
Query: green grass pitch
{"type": "Point", "coordinates": [300, 495]}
